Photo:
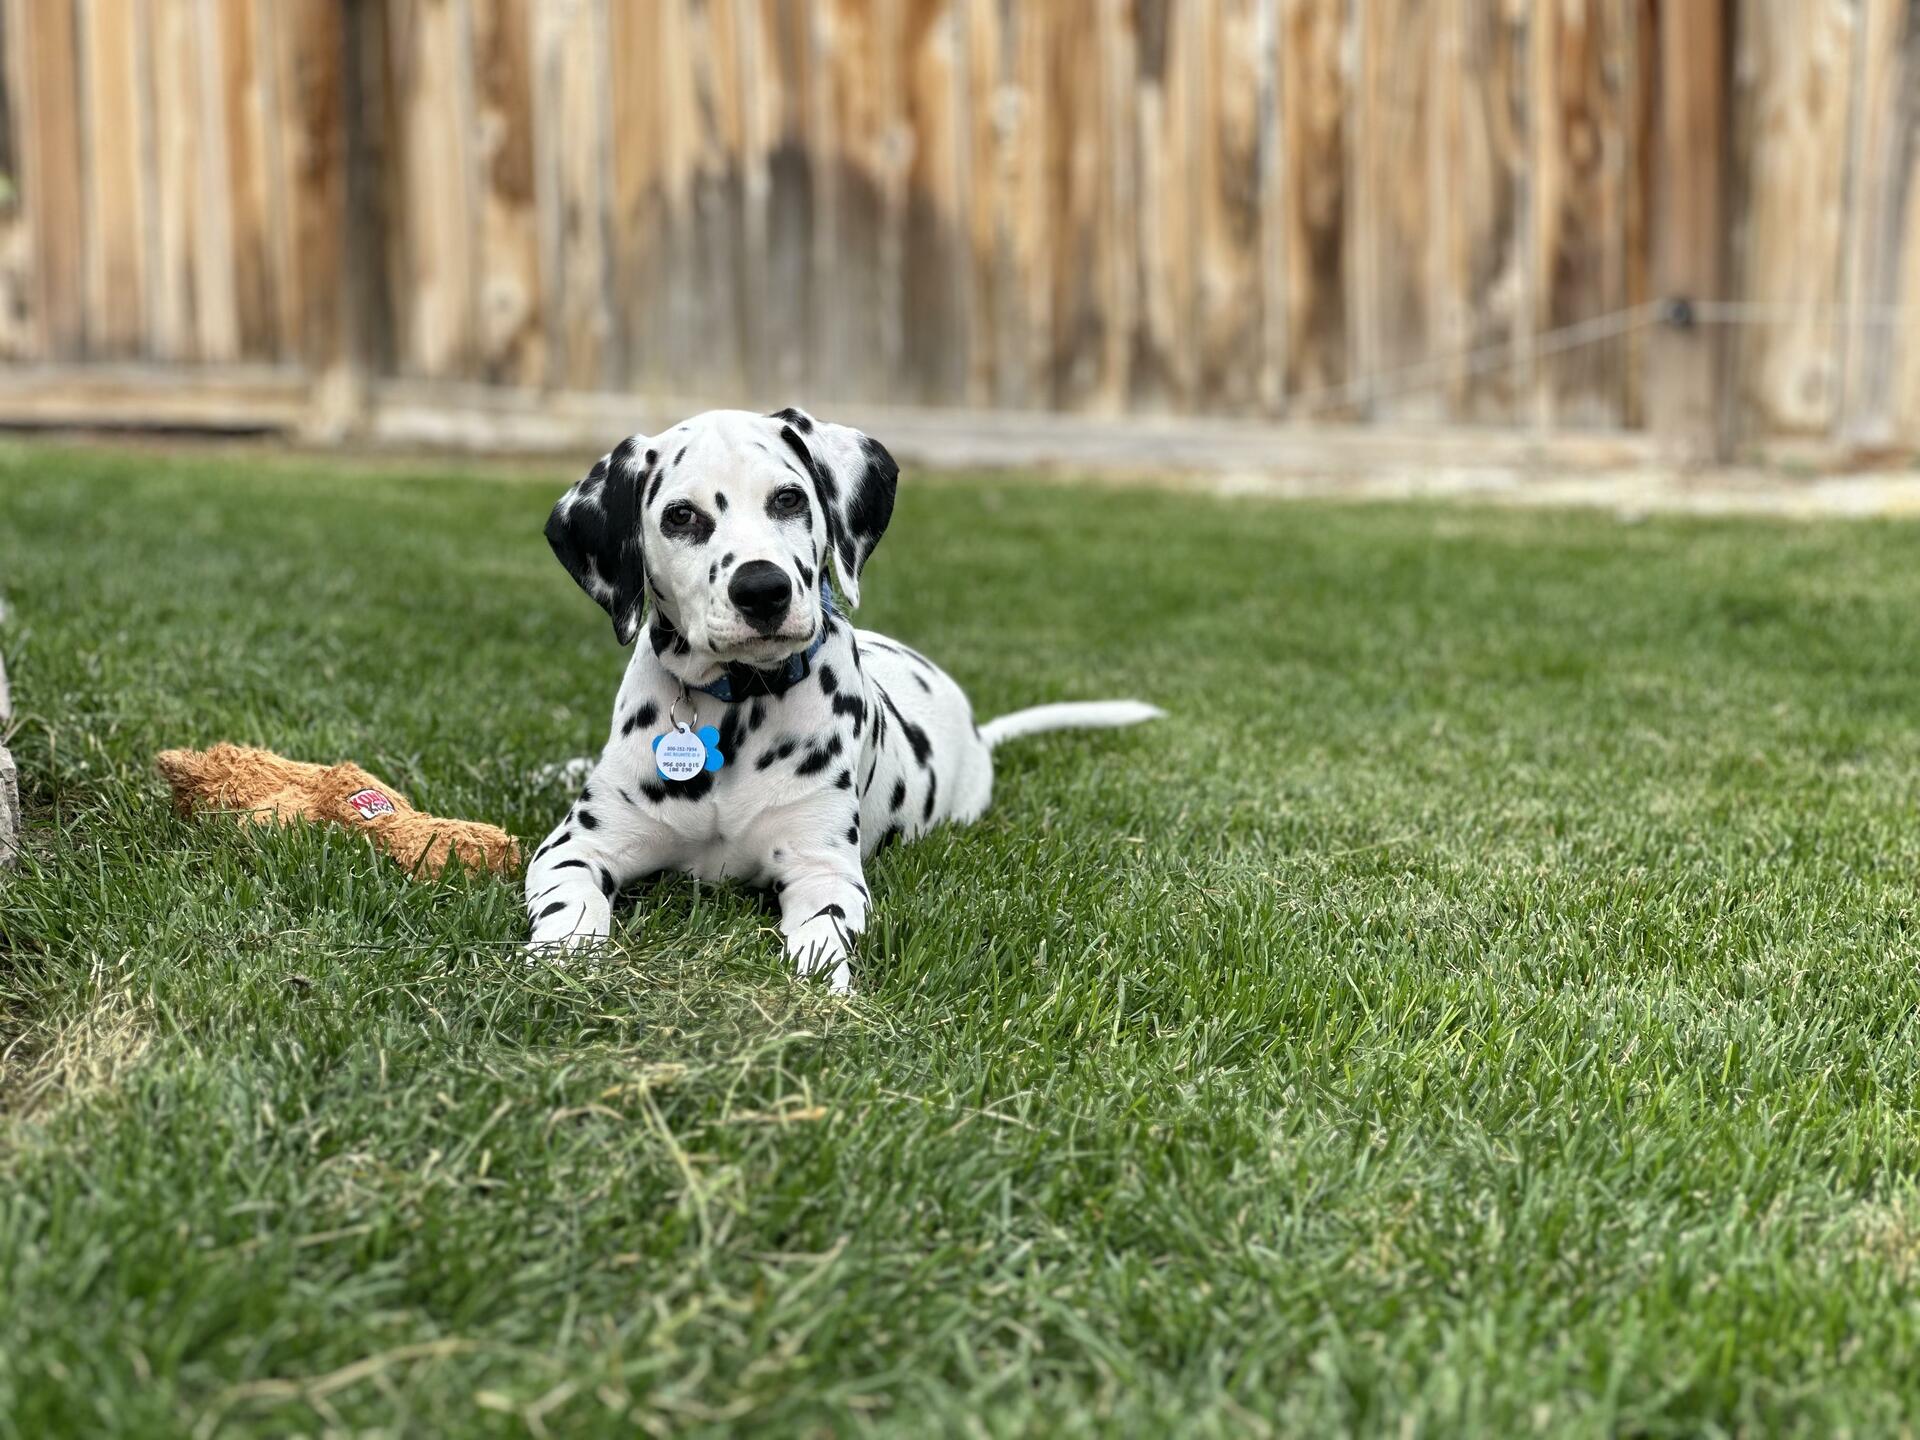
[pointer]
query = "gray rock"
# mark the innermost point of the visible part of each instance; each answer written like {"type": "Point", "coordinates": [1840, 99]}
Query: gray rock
{"type": "Point", "coordinates": [9, 809]}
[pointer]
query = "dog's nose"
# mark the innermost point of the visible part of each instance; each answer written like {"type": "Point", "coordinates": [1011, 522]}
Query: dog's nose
{"type": "Point", "coordinates": [761, 591]}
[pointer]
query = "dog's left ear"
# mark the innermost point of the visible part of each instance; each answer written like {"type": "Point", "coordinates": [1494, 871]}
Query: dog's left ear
{"type": "Point", "coordinates": [595, 532]}
{"type": "Point", "coordinates": [855, 478]}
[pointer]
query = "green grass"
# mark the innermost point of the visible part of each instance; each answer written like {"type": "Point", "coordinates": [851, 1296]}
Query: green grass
{"type": "Point", "coordinates": [1490, 1004]}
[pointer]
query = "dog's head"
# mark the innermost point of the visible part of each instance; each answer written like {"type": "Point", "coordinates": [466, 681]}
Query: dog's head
{"type": "Point", "coordinates": [727, 521]}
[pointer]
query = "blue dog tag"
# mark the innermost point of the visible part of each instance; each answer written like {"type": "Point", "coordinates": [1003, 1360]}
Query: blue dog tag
{"type": "Point", "coordinates": [683, 752]}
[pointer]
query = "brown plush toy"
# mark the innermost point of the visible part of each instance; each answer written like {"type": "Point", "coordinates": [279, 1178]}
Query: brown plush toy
{"type": "Point", "coordinates": [267, 787]}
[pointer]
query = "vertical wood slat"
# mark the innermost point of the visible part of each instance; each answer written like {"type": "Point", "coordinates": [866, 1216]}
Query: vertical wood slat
{"type": "Point", "coordinates": [434, 280]}
{"type": "Point", "coordinates": [1685, 365]}
{"type": "Point", "coordinates": [1316, 102]}
{"type": "Point", "coordinates": [216, 296]}
{"type": "Point", "coordinates": [177, 158]}
{"type": "Point", "coordinates": [987, 119]}
{"type": "Point", "coordinates": [509, 338]}
{"type": "Point", "coordinates": [650, 230]}
{"type": "Point", "coordinates": [786, 74]}
{"type": "Point", "coordinates": [45, 63]}
{"type": "Point", "coordinates": [853, 138]}
{"type": "Point", "coordinates": [1483, 294]}
{"type": "Point", "coordinates": [934, 340]}
{"type": "Point", "coordinates": [1883, 256]}
{"type": "Point", "coordinates": [113, 129]}
{"type": "Point", "coordinates": [1394, 284]}
{"type": "Point", "coordinates": [1582, 64]}
{"type": "Point", "coordinates": [572, 160]}
{"type": "Point", "coordinates": [1163, 368]}
{"type": "Point", "coordinates": [1079, 190]}
{"type": "Point", "coordinates": [308, 55]}
{"type": "Point", "coordinates": [248, 118]}
{"type": "Point", "coordinates": [1229, 216]}
{"type": "Point", "coordinates": [1792, 108]}
{"type": "Point", "coordinates": [18, 338]}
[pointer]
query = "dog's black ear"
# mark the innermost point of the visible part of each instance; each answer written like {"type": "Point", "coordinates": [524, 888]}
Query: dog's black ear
{"type": "Point", "coordinates": [595, 532]}
{"type": "Point", "coordinates": [855, 477]}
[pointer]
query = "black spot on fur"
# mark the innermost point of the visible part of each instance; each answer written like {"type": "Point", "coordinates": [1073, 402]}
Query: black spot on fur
{"type": "Point", "coordinates": [829, 682]}
{"type": "Point", "coordinates": [779, 752]}
{"type": "Point", "coordinates": [585, 817]}
{"type": "Point", "coordinates": [719, 502]}
{"type": "Point", "coordinates": [848, 703]}
{"type": "Point", "coordinates": [829, 909]}
{"type": "Point", "coordinates": [795, 418]}
{"type": "Point", "coordinates": [921, 681]}
{"type": "Point", "coordinates": [727, 559]}
{"type": "Point", "coordinates": [653, 792]}
{"type": "Point", "coordinates": [933, 787]}
{"type": "Point", "coordinates": [806, 573]}
{"type": "Point", "coordinates": [844, 780]}
{"type": "Point", "coordinates": [646, 714]}
{"type": "Point", "coordinates": [756, 715]}
{"type": "Point", "coordinates": [653, 487]}
{"type": "Point", "coordinates": [853, 834]}
{"type": "Point", "coordinates": [899, 795]}
{"type": "Point", "coordinates": [818, 758]}
{"type": "Point", "coordinates": [713, 572]}
{"type": "Point", "coordinates": [572, 865]}
{"type": "Point", "coordinates": [554, 909]}
{"type": "Point", "coordinates": [562, 838]}
{"type": "Point", "coordinates": [606, 882]}
{"type": "Point", "coordinates": [681, 456]}
{"type": "Point", "coordinates": [916, 737]}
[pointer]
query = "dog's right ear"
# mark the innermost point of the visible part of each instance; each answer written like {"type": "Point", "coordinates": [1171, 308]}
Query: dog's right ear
{"type": "Point", "coordinates": [595, 532]}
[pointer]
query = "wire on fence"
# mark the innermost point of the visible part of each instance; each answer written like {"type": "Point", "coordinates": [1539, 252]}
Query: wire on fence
{"type": "Point", "coordinates": [1437, 372]}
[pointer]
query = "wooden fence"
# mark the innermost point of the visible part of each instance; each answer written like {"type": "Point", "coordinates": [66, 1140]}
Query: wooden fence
{"type": "Point", "coordinates": [1394, 210]}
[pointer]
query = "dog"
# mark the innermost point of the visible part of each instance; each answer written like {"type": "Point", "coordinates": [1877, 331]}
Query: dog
{"type": "Point", "coordinates": [757, 735]}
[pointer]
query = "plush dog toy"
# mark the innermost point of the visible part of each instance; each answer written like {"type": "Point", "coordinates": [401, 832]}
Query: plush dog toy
{"type": "Point", "coordinates": [267, 787]}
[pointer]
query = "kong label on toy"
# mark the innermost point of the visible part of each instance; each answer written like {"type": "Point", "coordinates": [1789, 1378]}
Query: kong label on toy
{"type": "Point", "coordinates": [369, 803]}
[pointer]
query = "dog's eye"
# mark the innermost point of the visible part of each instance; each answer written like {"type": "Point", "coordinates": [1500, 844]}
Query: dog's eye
{"type": "Point", "coordinates": [678, 517]}
{"type": "Point", "coordinates": [789, 500]}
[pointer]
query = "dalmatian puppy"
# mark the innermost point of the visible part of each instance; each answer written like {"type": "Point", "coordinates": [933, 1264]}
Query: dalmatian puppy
{"type": "Point", "coordinates": [757, 735]}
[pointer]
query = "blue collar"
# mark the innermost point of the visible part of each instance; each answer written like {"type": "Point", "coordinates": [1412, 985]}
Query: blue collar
{"type": "Point", "coordinates": [741, 681]}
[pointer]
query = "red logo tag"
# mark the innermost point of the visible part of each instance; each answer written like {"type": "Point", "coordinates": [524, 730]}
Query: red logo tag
{"type": "Point", "coordinates": [369, 803]}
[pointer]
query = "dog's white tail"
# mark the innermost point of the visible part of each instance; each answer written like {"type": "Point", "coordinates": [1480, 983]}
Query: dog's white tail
{"type": "Point", "coordinates": [1084, 715]}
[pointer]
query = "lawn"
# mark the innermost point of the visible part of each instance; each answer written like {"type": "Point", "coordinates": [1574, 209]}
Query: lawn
{"type": "Point", "coordinates": [1488, 1004]}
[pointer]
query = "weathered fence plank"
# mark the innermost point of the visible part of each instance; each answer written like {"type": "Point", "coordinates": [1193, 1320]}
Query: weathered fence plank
{"type": "Point", "coordinates": [1396, 169]}
{"type": "Point", "coordinates": [44, 44]}
{"type": "Point", "coordinates": [1316, 100]}
{"type": "Point", "coordinates": [1483, 283]}
{"type": "Point", "coordinates": [1236, 73]}
{"type": "Point", "coordinates": [115, 178]}
{"type": "Point", "coordinates": [1792, 107]}
{"type": "Point", "coordinates": [1883, 258]}
{"type": "Point", "coordinates": [1685, 360]}
{"type": "Point", "coordinates": [1581, 63]}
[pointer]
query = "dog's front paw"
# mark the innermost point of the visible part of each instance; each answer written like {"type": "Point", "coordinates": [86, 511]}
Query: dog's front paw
{"type": "Point", "coordinates": [819, 947]}
{"type": "Point", "coordinates": [565, 929]}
